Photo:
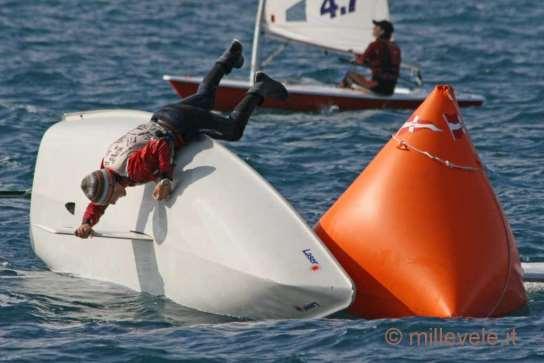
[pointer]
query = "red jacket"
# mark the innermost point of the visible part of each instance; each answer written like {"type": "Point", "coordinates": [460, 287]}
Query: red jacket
{"type": "Point", "coordinates": [151, 162]}
{"type": "Point", "coordinates": [383, 58]}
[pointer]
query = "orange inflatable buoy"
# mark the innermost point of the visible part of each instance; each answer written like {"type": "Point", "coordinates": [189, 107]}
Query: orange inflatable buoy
{"type": "Point", "coordinates": [421, 231]}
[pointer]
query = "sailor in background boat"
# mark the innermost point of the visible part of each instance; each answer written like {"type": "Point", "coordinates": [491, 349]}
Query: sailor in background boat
{"type": "Point", "coordinates": [383, 57]}
{"type": "Point", "coordinates": [147, 152]}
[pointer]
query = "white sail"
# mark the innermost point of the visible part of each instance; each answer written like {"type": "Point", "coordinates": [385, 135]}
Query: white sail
{"type": "Point", "coordinates": [342, 25]}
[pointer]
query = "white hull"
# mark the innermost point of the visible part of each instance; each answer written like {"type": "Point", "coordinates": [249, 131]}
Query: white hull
{"type": "Point", "coordinates": [226, 242]}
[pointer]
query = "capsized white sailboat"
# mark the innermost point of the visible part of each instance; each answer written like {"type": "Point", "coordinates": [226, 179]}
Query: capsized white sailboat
{"type": "Point", "coordinates": [343, 26]}
{"type": "Point", "coordinates": [226, 242]}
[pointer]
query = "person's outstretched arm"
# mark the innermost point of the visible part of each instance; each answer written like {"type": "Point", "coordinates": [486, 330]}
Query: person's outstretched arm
{"type": "Point", "coordinates": [165, 184]}
{"type": "Point", "coordinates": [154, 162]}
{"type": "Point", "coordinates": [92, 215]}
{"type": "Point", "coordinates": [366, 58]}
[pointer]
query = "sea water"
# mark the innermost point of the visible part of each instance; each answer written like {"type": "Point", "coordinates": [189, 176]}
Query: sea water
{"type": "Point", "coordinates": [64, 56]}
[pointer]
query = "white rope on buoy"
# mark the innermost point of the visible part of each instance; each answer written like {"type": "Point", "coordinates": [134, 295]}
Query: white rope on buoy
{"type": "Point", "coordinates": [406, 146]}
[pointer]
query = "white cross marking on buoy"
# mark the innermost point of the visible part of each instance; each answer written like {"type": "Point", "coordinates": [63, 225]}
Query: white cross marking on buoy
{"type": "Point", "coordinates": [413, 125]}
{"type": "Point", "coordinates": [459, 125]}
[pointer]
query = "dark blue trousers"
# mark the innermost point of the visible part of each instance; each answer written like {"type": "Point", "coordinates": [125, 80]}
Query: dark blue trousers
{"type": "Point", "coordinates": [193, 116]}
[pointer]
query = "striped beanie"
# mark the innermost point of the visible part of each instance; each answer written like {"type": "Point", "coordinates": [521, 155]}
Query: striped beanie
{"type": "Point", "coordinates": [98, 186]}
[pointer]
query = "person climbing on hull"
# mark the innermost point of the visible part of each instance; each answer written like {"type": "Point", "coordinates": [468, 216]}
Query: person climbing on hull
{"type": "Point", "coordinates": [147, 152]}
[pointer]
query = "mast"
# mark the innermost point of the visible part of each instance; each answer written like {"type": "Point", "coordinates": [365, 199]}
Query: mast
{"type": "Point", "coordinates": [255, 53]}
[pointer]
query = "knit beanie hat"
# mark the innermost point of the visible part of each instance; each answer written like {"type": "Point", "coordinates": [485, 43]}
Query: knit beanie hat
{"type": "Point", "coordinates": [98, 186]}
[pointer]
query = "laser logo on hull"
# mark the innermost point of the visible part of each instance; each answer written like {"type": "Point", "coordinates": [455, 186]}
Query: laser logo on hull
{"type": "Point", "coordinates": [308, 253]}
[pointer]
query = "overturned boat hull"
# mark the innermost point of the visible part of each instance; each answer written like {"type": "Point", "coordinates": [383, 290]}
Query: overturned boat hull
{"type": "Point", "coordinates": [214, 246]}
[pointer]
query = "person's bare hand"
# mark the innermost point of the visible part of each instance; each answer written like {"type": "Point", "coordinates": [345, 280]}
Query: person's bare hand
{"type": "Point", "coordinates": [162, 190]}
{"type": "Point", "coordinates": [84, 231]}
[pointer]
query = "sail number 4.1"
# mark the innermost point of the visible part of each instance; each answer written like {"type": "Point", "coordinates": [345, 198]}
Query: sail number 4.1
{"type": "Point", "coordinates": [330, 7]}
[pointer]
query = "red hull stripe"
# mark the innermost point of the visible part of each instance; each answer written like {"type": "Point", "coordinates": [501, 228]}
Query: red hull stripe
{"type": "Point", "coordinates": [229, 95]}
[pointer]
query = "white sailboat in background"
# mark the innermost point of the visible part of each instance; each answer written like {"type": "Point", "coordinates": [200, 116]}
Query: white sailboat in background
{"type": "Point", "coordinates": [343, 26]}
{"type": "Point", "coordinates": [322, 23]}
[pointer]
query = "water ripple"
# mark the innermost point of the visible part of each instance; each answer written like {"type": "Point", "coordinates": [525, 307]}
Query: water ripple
{"type": "Point", "coordinates": [65, 56]}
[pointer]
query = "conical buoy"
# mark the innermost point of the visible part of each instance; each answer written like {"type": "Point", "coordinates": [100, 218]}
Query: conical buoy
{"type": "Point", "coordinates": [421, 231]}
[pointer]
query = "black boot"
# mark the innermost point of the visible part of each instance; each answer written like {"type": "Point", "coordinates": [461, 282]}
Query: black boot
{"type": "Point", "coordinates": [241, 113]}
{"type": "Point", "coordinates": [232, 57]}
{"type": "Point", "coordinates": [264, 87]}
{"type": "Point", "coordinates": [267, 87]}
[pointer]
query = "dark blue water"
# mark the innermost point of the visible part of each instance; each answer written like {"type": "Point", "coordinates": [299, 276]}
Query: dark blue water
{"type": "Point", "coordinates": [65, 56]}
